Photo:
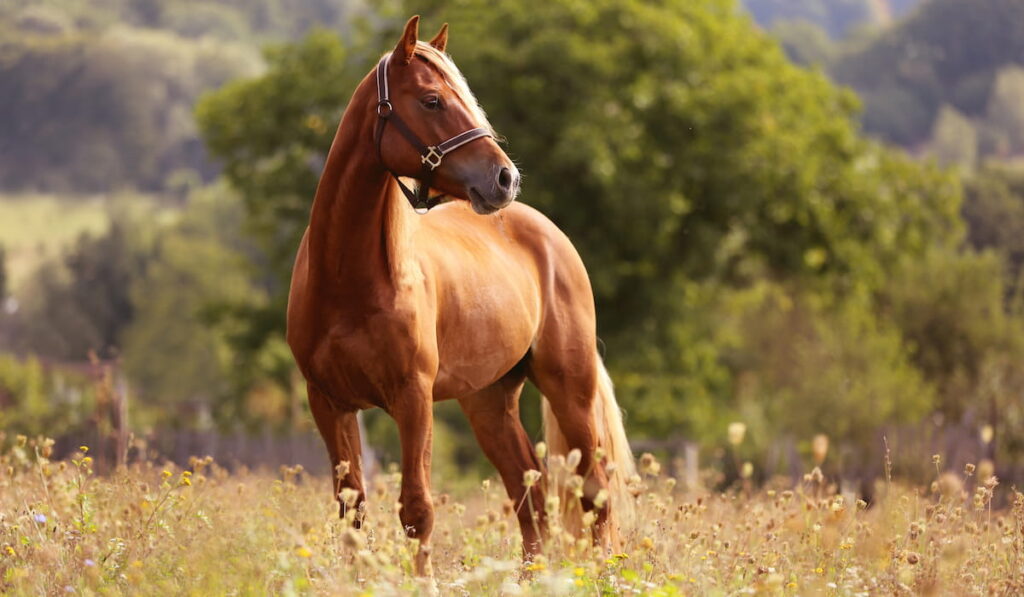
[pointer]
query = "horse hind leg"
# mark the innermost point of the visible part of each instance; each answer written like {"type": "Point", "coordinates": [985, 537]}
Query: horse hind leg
{"type": "Point", "coordinates": [493, 412]}
{"type": "Point", "coordinates": [340, 432]}
{"type": "Point", "coordinates": [581, 413]}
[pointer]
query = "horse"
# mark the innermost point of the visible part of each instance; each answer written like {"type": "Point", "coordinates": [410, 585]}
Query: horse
{"type": "Point", "coordinates": [394, 310]}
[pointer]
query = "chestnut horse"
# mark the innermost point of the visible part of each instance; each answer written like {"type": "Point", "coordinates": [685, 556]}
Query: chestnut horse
{"type": "Point", "coordinates": [393, 310]}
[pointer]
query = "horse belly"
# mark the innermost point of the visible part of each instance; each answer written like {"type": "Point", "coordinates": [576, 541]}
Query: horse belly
{"type": "Point", "coordinates": [482, 337]}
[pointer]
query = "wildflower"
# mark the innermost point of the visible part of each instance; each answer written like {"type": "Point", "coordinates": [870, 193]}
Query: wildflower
{"type": "Point", "coordinates": [89, 562]}
{"type": "Point", "coordinates": [348, 497]}
{"type": "Point", "coordinates": [601, 498]}
{"type": "Point", "coordinates": [575, 485]}
{"type": "Point", "coordinates": [589, 518]}
{"type": "Point", "coordinates": [599, 454]}
{"type": "Point", "coordinates": [747, 470]}
{"type": "Point", "coordinates": [968, 469]}
{"type": "Point", "coordinates": [647, 543]}
{"type": "Point", "coordinates": [40, 518]}
{"type": "Point", "coordinates": [87, 461]}
{"type": "Point", "coordinates": [649, 465]}
{"type": "Point", "coordinates": [579, 571]}
{"type": "Point", "coordinates": [84, 449]}
{"type": "Point", "coordinates": [21, 440]}
{"type": "Point", "coordinates": [302, 552]}
{"type": "Point", "coordinates": [342, 468]}
{"type": "Point", "coordinates": [541, 449]}
{"type": "Point", "coordinates": [987, 433]}
{"type": "Point", "coordinates": [936, 459]}
{"type": "Point", "coordinates": [736, 432]}
{"type": "Point", "coordinates": [165, 474]}
{"type": "Point", "coordinates": [551, 504]}
{"type": "Point", "coordinates": [531, 477]}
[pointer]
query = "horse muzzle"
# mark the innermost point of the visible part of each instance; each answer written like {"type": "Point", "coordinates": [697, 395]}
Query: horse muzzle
{"type": "Point", "coordinates": [495, 193]}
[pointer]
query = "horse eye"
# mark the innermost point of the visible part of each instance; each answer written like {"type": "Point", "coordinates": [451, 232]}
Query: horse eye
{"type": "Point", "coordinates": [431, 102]}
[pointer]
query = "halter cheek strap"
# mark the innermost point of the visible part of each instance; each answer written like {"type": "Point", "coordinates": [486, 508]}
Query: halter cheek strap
{"type": "Point", "coordinates": [430, 156]}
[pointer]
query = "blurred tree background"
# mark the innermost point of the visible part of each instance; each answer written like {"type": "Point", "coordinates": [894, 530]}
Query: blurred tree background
{"type": "Point", "coordinates": [806, 216]}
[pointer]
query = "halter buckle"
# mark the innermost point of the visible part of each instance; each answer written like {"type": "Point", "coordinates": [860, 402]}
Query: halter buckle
{"type": "Point", "coordinates": [384, 108]}
{"type": "Point", "coordinates": [432, 158]}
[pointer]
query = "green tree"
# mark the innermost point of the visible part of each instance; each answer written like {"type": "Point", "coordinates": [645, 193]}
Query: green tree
{"type": "Point", "coordinates": [179, 363]}
{"type": "Point", "coordinates": [83, 301]}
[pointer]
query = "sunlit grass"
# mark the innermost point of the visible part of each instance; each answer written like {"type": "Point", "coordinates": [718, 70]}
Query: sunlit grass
{"type": "Point", "coordinates": [154, 529]}
{"type": "Point", "coordinates": [34, 228]}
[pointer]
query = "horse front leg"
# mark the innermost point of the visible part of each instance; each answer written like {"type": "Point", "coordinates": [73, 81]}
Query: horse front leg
{"type": "Point", "coordinates": [415, 417]}
{"type": "Point", "coordinates": [340, 431]}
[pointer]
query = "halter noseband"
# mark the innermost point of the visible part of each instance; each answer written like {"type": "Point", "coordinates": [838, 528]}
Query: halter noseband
{"type": "Point", "coordinates": [430, 156]}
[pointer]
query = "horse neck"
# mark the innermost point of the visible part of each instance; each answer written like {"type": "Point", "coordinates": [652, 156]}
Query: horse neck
{"type": "Point", "coordinates": [359, 223]}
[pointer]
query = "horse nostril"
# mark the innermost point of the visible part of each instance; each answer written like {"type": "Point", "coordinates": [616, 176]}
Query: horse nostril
{"type": "Point", "coordinates": [505, 179]}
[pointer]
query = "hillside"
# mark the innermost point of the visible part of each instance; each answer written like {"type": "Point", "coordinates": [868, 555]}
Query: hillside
{"type": "Point", "coordinates": [99, 97]}
{"type": "Point", "coordinates": [953, 62]}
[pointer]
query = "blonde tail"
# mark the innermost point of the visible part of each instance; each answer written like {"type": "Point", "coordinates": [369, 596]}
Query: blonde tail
{"type": "Point", "coordinates": [611, 437]}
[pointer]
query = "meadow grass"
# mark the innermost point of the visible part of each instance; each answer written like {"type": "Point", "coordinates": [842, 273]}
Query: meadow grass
{"type": "Point", "coordinates": [155, 529]}
{"type": "Point", "coordinates": [34, 228]}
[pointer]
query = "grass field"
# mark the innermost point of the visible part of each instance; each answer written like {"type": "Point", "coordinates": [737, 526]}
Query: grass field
{"type": "Point", "coordinates": [35, 227]}
{"type": "Point", "coordinates": [153, 529]}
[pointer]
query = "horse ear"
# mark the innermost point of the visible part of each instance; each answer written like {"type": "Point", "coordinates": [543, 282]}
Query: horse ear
{"type": "Point", "coordinates": [440, 40]}
{"type": "Point", "coordinates": [407, 44]}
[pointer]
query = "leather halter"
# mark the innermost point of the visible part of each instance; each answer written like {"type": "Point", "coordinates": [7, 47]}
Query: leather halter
{"type": "Point", "coordinates": [430, 156]}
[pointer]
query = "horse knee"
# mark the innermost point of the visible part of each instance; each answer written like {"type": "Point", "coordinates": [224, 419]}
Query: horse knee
{"type": "Point", "coordinates": [417, 516]}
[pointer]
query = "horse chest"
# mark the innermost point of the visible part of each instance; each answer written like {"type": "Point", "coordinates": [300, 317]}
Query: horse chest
{"type": "Point", "coordinates": [366, 362]}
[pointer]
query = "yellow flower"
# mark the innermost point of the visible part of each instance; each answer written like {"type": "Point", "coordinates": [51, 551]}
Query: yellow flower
{"type": "Point", "coordinates": [166, 474]}
{"type": "Point", "coordinates": [791, 585]}
{"type": "Point", "coordinates": [84, 449]}
{"type": "Point", "coordinates": [579, 572]}
{"type": "Point", "coordinates": [579, 582]}
{"type": "Point", "coordinates": [647, 543]}
{"type": "Point", "coordinates": [536, 566]}
{"type": "Point", "coordinates": [819, 570]}
{"type": "Point", "coordinates": [87, 461]}
{"type": "Point", "coordinates": [303, 552]}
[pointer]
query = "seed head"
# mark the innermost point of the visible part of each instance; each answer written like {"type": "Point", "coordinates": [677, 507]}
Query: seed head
{"type": "Point", "coordinates": [573, 459]}
{"type": "Point", "coordinates": [736, 431]}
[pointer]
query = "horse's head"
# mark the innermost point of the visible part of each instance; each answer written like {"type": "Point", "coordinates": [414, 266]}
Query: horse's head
{"type": "Point", "coordinates": [431, 128]}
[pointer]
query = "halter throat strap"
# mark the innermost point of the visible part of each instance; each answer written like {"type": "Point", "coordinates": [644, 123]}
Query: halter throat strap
{"type": "Point", "coordinates": [430, 155]}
